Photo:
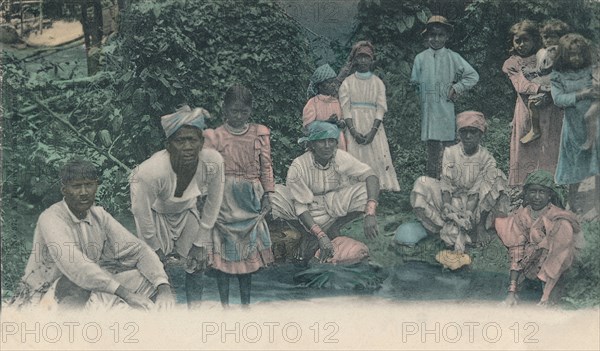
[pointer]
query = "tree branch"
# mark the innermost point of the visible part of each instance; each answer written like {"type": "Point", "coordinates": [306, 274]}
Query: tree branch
{"type": "Point", "coordinates": [79, 135]}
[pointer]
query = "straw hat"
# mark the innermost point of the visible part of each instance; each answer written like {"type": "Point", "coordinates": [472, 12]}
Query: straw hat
{"type": "Point", "coordinates": [441, 20]}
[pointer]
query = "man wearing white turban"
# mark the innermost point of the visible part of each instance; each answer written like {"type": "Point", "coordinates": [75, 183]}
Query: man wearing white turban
{"type": "Point", "coordinates": [165, 190]}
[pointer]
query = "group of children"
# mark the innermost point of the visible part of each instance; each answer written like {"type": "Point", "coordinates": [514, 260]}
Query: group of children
{"type": "Point", "coordinates": [553, 76]}
{"type": "Point", "coordinates": [463, 192]}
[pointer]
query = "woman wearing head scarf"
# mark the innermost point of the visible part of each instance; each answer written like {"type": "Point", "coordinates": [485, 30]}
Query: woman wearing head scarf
{"type": "Point", "coordinates": [541, 237]}
{"type": "Point", "coordinates": [325, 189]}
{"type": "Point", "coordinates": [323, 104]}
{"type": "Point", "coordinates": [363, 101]}
{"type": "Point", "coordinates": [472, 189]}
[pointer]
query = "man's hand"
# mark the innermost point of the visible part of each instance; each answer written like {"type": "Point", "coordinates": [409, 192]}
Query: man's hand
{"type": "Point", "coordinates": [197, 259]}
{"type": "Point", "coordinates": [370, 227]}
{"type": "Point", "coordinates": [134, 300]}
{"type": "Point", "coordinates": [164, 298]}
{"type": "Point", "coordinates": [326, 247]}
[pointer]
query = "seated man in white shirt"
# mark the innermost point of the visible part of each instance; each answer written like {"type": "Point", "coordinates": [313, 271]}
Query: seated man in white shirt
{"type": "Point", "coordinates": [82, 255]}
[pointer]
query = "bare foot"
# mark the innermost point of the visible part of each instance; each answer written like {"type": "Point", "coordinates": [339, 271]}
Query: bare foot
{"type": "Point", "coordinates": [531, 136]}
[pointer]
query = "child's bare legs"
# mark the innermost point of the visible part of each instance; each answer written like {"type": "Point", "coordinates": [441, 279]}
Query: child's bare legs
{"type": "Point", "coordinates": [435, 151]}
{"type": "Point", "coordinates": [547, 290]}
{"type": "Point", "coordinates": [572, 197]}
{"type": "Point", "coordinates": [194, 285]}
{"type": "Point", "coordinates": [244, 280]}
{"type": "Point", "coordinates": [534, 115]}
{"type": "Point", "coordinates": [591, 125]}
{"type": "Point", "coordinates": [223, 286]}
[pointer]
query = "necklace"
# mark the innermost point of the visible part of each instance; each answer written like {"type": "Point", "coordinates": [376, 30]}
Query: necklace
{"type": "Point", "coordinates": [237, 131]}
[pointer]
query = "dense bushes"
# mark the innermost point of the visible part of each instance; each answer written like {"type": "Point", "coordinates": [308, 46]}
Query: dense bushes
{"type": "Point", "coordinates": [190, 52]}
{"type": "Point", "coordinates": [178, 51]}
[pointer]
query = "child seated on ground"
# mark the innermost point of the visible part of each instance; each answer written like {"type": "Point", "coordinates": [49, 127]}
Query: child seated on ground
{"type": "Point", "coordinates": [460, 207]}
{"type": "Point", "coordinates": [541, 237]}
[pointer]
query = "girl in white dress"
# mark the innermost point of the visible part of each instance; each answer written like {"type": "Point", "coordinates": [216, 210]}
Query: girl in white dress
{"type": "Point", "coordinates": [362, 97]}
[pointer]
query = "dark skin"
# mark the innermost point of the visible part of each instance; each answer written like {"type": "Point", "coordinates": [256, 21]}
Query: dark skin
{"type": "Point", "coordinates": [79, 195]}
{"type": "Point", "coordinates": [537, 197]}
{"type": "Point", "coordinates": [363, 63]}
{"type": "Point", "coordinates": [329, 87]}
{"type": "Point", "coordinates": [184, 147]}
{"type": "Point", "coordinates": [436, 37]}
{"type": "Point", "coordinates": [470, 138]}
{"type": "Point", "coordinates": [237, 115]}
{"type": "Point", "coordinates": [323, 151]}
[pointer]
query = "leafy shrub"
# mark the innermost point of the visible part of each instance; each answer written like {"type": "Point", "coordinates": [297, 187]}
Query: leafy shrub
{"type": "Point", "coordinates": [189, 52]}
{"type": "Point", "coordinates": [583, 280]}
{"type": "Point", "coordinates": [166, 54]}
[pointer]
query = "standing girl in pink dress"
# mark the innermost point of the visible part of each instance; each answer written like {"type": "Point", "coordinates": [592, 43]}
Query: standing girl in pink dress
{"type": "Point", "coordinates": [526, 155]}
{"type": "Point", "coordinates": [242, 243]}
{"type": "Point", "coordinates": [323, 104]}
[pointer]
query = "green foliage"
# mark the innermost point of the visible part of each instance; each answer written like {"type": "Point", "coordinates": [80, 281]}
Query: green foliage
{"type": "Point", "coordinates": [188, 52]}
{"type": "Point", "coordinates": [583, 280]}
{"type": "Point", "coordinates": [481, 36]}
{"type": "Point", "coordinates": [167, 54]}
{"type": "Point", "coordinates": [175, 52]}
{"type": "Point", "coordinates": [13, 252]}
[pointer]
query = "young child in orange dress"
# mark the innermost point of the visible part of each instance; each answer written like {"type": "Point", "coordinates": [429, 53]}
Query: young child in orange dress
{"type": "Point", "coordinates": [541, 237]}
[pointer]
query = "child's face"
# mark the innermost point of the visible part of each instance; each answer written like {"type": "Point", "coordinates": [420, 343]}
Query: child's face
{"type": "Point", "coordinates": [328, 87]}
{"type": "Point", "coordinates": [470, 138]}
{"type": "Point", "coordinates": [437, 37]}
{"type": "Point", "coordinates": [537, 196]}
{"type": "Point", "coordinates": [523, 44]}
{"type": "Point", "coordinates": [575, 57]}
{"type": "Point", "coordinates": [363, 63]}
{"type": "Point", "coordinates": [237, 114]}
{"type": "Point", "coordinates": [550, 39]}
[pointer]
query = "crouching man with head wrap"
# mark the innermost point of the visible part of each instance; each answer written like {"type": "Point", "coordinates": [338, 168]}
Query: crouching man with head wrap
{"type": "Point", "coordinates": [325, 189]}
{"type": "Point", "coordinates": [472, 191]}
{"type": "Point", "coordinates": [165, 192]}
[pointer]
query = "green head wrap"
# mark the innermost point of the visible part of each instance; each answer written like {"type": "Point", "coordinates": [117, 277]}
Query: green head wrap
{"type": "Point", "coordinates": [544, 178]}
{"type": "Point", "coordinates": [319, 130]}
{"type": "Point", "coordinates": [320, 75]}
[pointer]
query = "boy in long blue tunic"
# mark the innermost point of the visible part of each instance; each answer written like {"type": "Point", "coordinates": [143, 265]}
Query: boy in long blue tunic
{"type": "Point", "coordinates": [441, 75]}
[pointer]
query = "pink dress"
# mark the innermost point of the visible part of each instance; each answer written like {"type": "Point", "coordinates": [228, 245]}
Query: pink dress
{"type": "Point", "coordinates": [541, 153]}
{"type": "Point", "coordinates": [320, 108]}
{"type": "Point", "coordinates": [241, 238]}
{"type": "Point", "coordinates": [540, 248]}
